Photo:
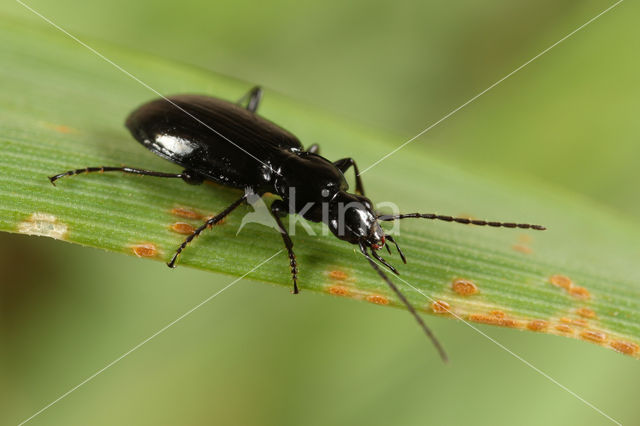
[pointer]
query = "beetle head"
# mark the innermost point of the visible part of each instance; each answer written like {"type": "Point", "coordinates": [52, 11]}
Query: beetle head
{"type": "Point", "coordinates": [352, 219]}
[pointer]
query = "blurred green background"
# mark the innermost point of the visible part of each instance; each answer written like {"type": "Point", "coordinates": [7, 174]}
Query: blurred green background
{"type": "Point", "coordinates": [256, 355]}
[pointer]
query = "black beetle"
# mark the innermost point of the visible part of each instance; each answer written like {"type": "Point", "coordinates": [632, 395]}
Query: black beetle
{"type": "Point", "coordinates": [230, 144]}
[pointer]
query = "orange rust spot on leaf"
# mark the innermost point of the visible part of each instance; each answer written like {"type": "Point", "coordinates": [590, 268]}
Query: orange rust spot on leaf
{"type": "Point", "coordinates": [494, 320]}
{"type": "Point", "coordinates": [593, 336]}
{"type": "Point", "coordinates": [524, 238]}
{"type": "Point", "coordinates": [219, 223]}
{"type": "Point", "coordinates": [561, 281]}
{"type": "Point", "coordinates": [338, 275]}
{"type": "Point", "coordinates": [467, 216]}
{"type": "Point", "coordinates": [579, 292]}
{"type": "Point", "coordinates": [580, 322]}
{"type": "Point", "coordinates": [586, 312]}
{"type": "Point", "coordinates": [185, 213]}
{"type": "Point", "coordinates": [378, 299]}
{"type": "Point", "coordinates": [339, 290]}
{"type": "Point", "coordinates": [61, 128]}
{"type": "Point", "coordinates": [440, 307]}
{"type": "Point", "coordinates": [497, 314]}
{"type": "Point", "coordinates": [571, 321]}
{"type": "Point", "coordinates": [144, 250]}
{"type": "Point", "coordinates": [464, 287]}
{"type": "Point", "coordinates": [566, 283]}
{"type": "Point", "coordinates": [537, 325]}
{"type": "Point", "coordinates": [183, 228]}
{"type": "Point", "coordinates": [563, 328]}
{"type": "Point", "coordinates": [522, 249]}
{"type": "Point", "coordinates": [624, 347]}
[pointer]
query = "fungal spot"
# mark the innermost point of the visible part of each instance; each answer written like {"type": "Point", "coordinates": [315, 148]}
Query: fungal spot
{"type": "Point", "coordinates": [497, 314]}
{"type": "Point", "coordinates": [220, 222]}
{"type": "Point", "coordinates": [339, 290]}
{"type": "Point", "coordinates": [44, 224]}
{"type": "Point", "coordinates": [524, 238]}
{"type": "Point", "coordinates": [561, 281]}
{"type": "Point", "coordinates": [440, 307]}
{"type": "Point", "coordinates": [571, 321]}
{"type": "Point", "coordinates": [467, 216]}
{"type": "Point", "coordinates": [464, 287]}
{"type": "Point", "coordinates": [185, 213]}
{"type": "Point", "coordinates": [378, 299]}
{"type": "Point", "coordinates": [494, 320]}
{"type": "Point", "coordinates": [338, 275]}
{"type": "Point", "coordinates": [624, 347]}
{"type": "Point", "coordinates": [563, 328]}
{"type": "Point", "coordinates": [145, 250]}
{"type": "Point", "coordinates": [537, 325]}
{"type": "Point", "coordinates": [183, 228]}
{"type": "Point", "coordinates": [566, 283]}
{"type": "Point", "coordinates": [61, 128]}
{"type": "Point", "coordinates": [579, 292]}
{"type": "Point", "coordinates": [580, 322]}
{"type": "Point", "coordinates": [522, 249]}
{"type": "Point", "coordinates": [586, 312]}
{"type": "Point", "coordinates": [593, 336]}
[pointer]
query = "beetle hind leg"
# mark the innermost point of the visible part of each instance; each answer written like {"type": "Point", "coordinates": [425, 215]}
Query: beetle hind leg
{"type": "Point", "coordinates": [252, 97]}
{"type": "Point", "coordinates": [102, 169]}
{"type": "Point", "coordinates": [314, 149]}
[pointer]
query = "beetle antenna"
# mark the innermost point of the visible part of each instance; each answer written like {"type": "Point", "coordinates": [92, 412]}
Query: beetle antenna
{"type": "Point", "coordinates": [463, 220]}
{"type": "Point", "coordinates": [390, 238]}
{"type": "Point", "coordinates": [404, 300]}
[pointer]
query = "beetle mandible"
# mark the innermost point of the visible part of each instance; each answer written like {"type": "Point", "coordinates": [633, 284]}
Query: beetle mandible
{"type": "Point", "coordinates": [228, 143]}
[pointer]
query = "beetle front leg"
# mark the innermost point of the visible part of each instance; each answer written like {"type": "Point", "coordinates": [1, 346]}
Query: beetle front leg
{"type": "Point", "coordinates": [343, 164]}
{"type": "Point", "coordinates": [253, 96]}
{"type": "Point", "coordinates": [278, 210]}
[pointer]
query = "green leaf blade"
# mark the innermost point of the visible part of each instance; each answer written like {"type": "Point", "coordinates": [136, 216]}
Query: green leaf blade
{"type": "Point", "coordinates": [63, 108]}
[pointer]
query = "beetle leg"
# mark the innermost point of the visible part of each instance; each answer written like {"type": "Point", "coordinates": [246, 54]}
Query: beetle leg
{"type": "Point", "coordinates": [343, 164]}
{"type": "Point", "coordinates": [277, 211]}
{"type": "Point", "coordinates": [252, 97]}
{"type": "Point", "coordinates": [210, 222]}
{"type": "Point", "coordinates": [53, 179]}
{"type": "Point", "coordinates": [314, 149]}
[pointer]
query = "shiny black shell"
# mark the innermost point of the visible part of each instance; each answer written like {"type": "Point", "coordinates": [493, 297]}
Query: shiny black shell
{"type": "Point", "coordinates": [188, 130]}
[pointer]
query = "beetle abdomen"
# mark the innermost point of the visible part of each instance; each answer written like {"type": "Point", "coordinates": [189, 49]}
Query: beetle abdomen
{"type": "Point", "coordinates": [217, 139]}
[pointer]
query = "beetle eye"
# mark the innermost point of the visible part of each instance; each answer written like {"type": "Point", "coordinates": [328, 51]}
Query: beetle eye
{"type": "Point", "coordinates": [325, 193]}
